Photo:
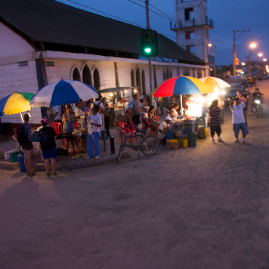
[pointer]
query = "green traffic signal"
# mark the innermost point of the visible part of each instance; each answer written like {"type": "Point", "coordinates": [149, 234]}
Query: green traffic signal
{"type": "Point", "coordinates": [147, 50]}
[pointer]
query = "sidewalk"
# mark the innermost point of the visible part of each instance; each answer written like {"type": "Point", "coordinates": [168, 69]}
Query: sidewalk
{"type": "Point", "coordinates": [71, 162]}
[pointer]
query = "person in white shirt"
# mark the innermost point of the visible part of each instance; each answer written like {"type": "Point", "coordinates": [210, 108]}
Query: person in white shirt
{"type": "Point", "coordinates": [79, 114]}
{"type": "Point", "coordinates": [57, 113]}
{"type": "Point", "coordinates": [94, 124]}
{"type": "Point", "coordinates": [144, 116]}
{"type": "Point", "coordinates": [239, 121]}
{"type": "Point", "coordinates": [163, 127]}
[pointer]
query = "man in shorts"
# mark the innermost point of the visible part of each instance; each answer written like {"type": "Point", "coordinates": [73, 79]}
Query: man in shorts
{"type": "Point", "coordinates": [136, 106]}
{"type": "Point", "coordinates": [238, 120]}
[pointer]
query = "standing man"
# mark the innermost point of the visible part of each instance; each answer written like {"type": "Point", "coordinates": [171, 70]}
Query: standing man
{"type": "Point", "coordinates": [147, 98]}
{"type": "Point", "coordinates": [239, 121]}
{"type": "Point", "coordinates": [136, 106]}
{"type": "Point", "coordinates": [243, 99]}
{"type": "Point", "coordinates": [57, 114]}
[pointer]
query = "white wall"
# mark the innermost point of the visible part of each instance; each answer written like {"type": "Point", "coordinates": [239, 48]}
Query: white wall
{"type": "Point", "coordinates": [11, 43]}
{"type": "Point", "coordinates": [19, 79]}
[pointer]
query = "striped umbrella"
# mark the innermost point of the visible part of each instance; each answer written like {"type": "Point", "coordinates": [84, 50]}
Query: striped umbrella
{"type": "Point", "coordinates": [16, 102]}
{"type": "Point", "coordinates": [182, 85]}
{"type": "Point", "coordinates": [63, 92]}
{"type": "Point", "coordinates": [215, 82]}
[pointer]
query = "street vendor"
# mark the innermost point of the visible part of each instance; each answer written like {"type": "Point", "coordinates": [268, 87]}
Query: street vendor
{"type": "Point", "coordinates": [174, 111]}
{"type": "Point", "coordinates": [163, 127]}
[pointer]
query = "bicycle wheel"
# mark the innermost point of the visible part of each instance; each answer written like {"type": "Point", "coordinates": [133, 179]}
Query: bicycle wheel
{"type": "Point", "coordinates": [149, 145]}
{"type": "Point", "coordinates": [122, 145]}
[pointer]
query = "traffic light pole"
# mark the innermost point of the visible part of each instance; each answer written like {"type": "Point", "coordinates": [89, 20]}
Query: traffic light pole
{"type": "Point", "coordinates": [149, 58]}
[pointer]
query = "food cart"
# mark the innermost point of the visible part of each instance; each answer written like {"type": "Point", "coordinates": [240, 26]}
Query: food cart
{"type": "Point", "coordinates": [118, 99]}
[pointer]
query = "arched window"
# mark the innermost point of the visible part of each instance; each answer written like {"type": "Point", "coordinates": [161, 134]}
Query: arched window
{"type": "Point", "coordinates": [164, 75]}
{"type": "Point", "coordinates": [167, 74]}
{"type": "Point", "coordinates": [138, 83]}
{"type": "Point", "coordinates": [171, 74]}
{"type": "Point", "coordinates": [143, 82]}
{"type": "Point", "coordinates": [86, 74]}
{"type": "Point", "coordinates": [76, 75]}
{"type": "Point", "coordinates": [96, 79]}
{"type": "Point", "coordinates": [199, 73]}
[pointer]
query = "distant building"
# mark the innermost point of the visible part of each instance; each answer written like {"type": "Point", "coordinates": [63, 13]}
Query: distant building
{"type": "Point", "coordinates": [45, 41]}
{"type": "Point", "coordinates": [192, 27]}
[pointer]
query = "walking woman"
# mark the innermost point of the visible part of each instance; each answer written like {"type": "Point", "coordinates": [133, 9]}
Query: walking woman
{"type": "Point", "coordinates": [27, 147]}
{"type": "Point", "coordinates": [214, 120]}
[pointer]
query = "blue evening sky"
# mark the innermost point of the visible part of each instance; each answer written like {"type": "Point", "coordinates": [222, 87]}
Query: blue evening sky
{"type": "Point", "coordinates": [228, 15]}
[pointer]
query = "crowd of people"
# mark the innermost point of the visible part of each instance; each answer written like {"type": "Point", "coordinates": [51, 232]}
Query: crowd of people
{"type": "Point", "coordinates": [91, 116]}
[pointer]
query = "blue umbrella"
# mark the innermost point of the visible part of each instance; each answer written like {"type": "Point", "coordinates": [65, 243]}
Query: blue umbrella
{"type": "Point", "coordinates": [63, 92]}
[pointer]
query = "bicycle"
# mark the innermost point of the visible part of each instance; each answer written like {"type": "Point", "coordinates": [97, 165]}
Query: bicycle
{"type": "Point", "coordinates": [148, 144]}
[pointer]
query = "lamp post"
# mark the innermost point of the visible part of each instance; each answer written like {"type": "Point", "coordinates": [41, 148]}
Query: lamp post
{"type": "Point", "coordinates": [259, 55]}
{"type": "Point", "coordinates": [251, 46]}
{"type": "Point", "coordinates": [210, 45]}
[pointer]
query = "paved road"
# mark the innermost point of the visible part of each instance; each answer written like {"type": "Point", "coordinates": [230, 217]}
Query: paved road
{"type": "Point", "coordinates": [204, 207]}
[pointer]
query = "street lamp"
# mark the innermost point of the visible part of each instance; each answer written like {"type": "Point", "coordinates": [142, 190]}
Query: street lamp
{"type": "Point", "coordinates": [251, 46]}
{"type": "Point", "coordinates": [264, 59]}
{"type": "Point", "coordinates": [210, 45]}
{"type": "Point", "coordinates": [243, 63]}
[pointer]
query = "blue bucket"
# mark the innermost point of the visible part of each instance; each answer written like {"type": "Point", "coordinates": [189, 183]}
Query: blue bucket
{"type": "Point", "coordinates": [20, 159]}
{"type": "Point", "coordinates": [169, 134]}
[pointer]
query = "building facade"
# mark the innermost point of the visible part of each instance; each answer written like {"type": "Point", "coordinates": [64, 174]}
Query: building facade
{"type": "Point", "coordinates": [192, 27]}
{"type": "Point", "coordinates": [28, 64]}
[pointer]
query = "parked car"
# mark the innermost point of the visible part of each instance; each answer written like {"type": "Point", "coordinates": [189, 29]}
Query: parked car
{"type": "Point", "coordinates": [264, 76]}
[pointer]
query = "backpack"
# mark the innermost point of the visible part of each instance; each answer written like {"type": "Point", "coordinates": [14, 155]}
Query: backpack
{"type": "Point", "coordinates": [44, 138]}
{"type": "Point", "coordinates": [21, 136]}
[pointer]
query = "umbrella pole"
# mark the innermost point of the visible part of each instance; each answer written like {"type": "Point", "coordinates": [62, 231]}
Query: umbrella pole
{"type": "Point", "coordinates": [21, 117]}
{"type": "Point", "coordinates": [181, 105]}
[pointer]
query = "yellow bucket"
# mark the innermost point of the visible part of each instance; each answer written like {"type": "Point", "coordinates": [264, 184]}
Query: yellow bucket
{"type": "Point", "coordinates": [185, 142]}
{"type": "Point", "coordinates": [172, 144]}
{"type": "Point", "coordinates": [206, 131]}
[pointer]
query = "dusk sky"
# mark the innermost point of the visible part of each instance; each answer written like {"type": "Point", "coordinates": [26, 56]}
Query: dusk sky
{"type": "Point", "coordinates": [228, 15]}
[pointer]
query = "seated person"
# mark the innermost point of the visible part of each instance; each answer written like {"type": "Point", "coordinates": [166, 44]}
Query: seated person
{"type": "Point", "coordinates": [163, 127]}
{"type": "Point", "coordinates": [256, 95]}
{"type": "Point", "coordinates": [127, 118]}
{"type": "Point", "coordinates": [144, 116]}
{"type": "Point", "coordinates": [174, 111]}
{"type": "Point", "coordinates": [152, 121]}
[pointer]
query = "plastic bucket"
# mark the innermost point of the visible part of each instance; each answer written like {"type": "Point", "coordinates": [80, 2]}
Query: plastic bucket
{"type": "Point", "coordinates": [192, 139]}
{"type": "Point", "coordinates": [169, 135]}
{"type": "Point", "coordinates": [185, 142]}
{"type": "Point", "coordinates": [206, 131]}
{"type": "Point", "coordinates": [20, 159]}
{"type": "Point", "coordinates": [172, 144]}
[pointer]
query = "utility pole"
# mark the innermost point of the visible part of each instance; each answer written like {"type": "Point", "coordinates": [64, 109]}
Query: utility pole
{"type": "Point", "coordinates": [149, 58]}
{"type": "Point", "coordinates": [234, 48]}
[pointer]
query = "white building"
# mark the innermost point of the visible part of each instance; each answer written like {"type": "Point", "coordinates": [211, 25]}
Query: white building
{"type": "Point", "coordinates": [192, 27]}
{"type": "Point", "coordinates": [52, 41]}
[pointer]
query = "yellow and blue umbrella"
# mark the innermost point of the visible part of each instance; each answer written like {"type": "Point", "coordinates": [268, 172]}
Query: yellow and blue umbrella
{"type": "Point", "coordinates": [16, 102]}
{"type": "Point", "coordinates": [215, 82]}
{"type": "Point", "coordinates": [182, 85]}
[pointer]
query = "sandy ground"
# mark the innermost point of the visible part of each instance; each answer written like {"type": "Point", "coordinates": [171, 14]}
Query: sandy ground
{"type": "Point", "coordinates": [204, 207]}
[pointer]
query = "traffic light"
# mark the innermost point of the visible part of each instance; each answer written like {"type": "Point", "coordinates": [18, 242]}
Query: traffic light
{"type": "Point", "coordinates": [149, 44]}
